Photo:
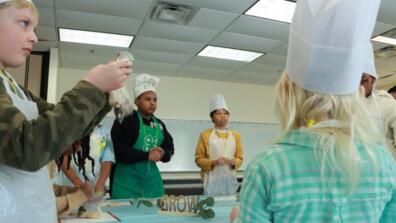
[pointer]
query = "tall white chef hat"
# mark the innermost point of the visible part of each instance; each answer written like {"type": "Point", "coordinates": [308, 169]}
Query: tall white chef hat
{"type": "Point", "coordinates": [369, 67]}
{"type": "Point", "coordinates": [144, 83]}
{"type": "Point", "coordinates": [217, 102]}
{"type": "Point", "coordinates": [329, 43]}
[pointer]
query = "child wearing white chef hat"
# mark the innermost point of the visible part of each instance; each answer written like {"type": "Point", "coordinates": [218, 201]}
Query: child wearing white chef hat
{"type": "Point", "coordinates": [330, 165]}
{"type": "Point", "coordinates": [140, 141]}
{"type": "Point", "coordinates": [219, 152]}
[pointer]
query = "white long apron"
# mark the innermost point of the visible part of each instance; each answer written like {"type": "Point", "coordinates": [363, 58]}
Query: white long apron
{"type": "Point", "coordinates": [25, 196]}
{"type": "Point", "coordinates": [222, 180]}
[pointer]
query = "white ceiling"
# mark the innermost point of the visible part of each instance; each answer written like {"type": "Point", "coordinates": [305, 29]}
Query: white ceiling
{"type": "Point", "coordinates": [169, 49]}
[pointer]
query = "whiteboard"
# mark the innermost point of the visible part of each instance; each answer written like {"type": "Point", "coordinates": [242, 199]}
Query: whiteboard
{"type": "Point", "coordinates": [185, 133]}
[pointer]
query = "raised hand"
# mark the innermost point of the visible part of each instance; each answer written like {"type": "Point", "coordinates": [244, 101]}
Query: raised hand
{"type": "Point", "coordinates": [111, 76]}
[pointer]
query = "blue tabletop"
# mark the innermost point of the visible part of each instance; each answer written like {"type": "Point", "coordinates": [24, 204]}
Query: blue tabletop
{"type": "Point", "coordinates": [143, 214]}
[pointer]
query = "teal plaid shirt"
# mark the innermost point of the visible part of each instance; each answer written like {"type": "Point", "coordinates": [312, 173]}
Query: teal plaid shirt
{"type": "Point", "coordinates": [284, 185]}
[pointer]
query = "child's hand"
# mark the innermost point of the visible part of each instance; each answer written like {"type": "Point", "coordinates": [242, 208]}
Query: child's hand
{"type": "Point", "coordinates": [154, 155]}
{"type": "Point", "coordinates": [99, 188]}
{"type": "Point", "coordinates": [234, 214]}
{"type": "Point", "coordinates": [88, 189]}
{"type": "Point", "coordinates": [161, 151]}
{"type": "Point", "coordinates": [109, 76]}
{"type": "Point", "coordinates": [232, 162]}
{"type": "Point", "coordinates": [221, 161]}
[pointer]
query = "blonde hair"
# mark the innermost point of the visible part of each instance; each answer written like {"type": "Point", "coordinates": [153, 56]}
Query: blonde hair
{"type": "Point", "coordinates": [335, 148]}
{"type": "Point", "coordinates": [20, 4]}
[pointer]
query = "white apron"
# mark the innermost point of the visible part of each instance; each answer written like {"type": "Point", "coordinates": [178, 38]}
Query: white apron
{"type": "Point", "coordinates": [222, 180]}
{"type": "Point", "coordinates": [375, 113]}
{"type": "Point", "coordinates": [25, 196]}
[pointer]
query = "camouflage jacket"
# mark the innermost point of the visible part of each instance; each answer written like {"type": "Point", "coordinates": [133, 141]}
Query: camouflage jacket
{"type": "Point", "coordinates": [30, 145]}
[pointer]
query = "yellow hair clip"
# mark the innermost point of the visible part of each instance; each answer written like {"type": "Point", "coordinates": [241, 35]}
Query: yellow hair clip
{"type": "Point", "coordinates": [311, 122]}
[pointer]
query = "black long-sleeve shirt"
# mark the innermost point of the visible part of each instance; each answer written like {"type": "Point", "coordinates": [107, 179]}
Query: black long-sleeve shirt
{"type": "Point", "coordinates": [125, 134]}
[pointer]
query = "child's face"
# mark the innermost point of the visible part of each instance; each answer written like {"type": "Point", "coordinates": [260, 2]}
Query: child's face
{"type": "Point", "coordinates": [367, 82]}
{"type": "Point", "coordinates": [17, 35]}
{"type": "Point", "coordinates": [220, 118]}
{"type": "Point", "coordinates": [147, 102]}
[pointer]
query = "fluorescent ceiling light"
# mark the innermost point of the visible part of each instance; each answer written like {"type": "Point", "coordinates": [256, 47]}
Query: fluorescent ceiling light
{"type": "Point", "coordinates": [383, 39]}
{"type": "Point", "coordinates": [229, 54]}
{"type": "Point", "coordinates": [96, 38]}
{"type": "Point", "coordinates": [279, 10]}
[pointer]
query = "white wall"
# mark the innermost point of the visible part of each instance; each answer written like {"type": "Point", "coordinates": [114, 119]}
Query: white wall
{"type": "Point", "coordinates": [185, 98]}
{"type": "Point", "coordinates": [53, 76]}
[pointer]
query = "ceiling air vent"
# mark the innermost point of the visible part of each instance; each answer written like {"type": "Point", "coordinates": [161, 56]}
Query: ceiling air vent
{"type": "Point", "coordinates": [386, 52]}
{"type": "Point", "coordinates": [172, 13]}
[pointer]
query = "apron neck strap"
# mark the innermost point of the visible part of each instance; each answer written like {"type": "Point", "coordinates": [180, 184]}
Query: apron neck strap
{"type": "Point", "coordinates": [13, 84]}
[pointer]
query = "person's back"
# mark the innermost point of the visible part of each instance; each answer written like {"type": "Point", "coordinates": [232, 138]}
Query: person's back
{"type": "Point", "coordinates": [332, 164]}
{"type": "Point", "coordinates": [288, 175]}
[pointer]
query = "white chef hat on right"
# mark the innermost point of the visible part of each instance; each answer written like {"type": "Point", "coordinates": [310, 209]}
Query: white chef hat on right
{"type": "Point", "coordinates": [369, 67]}
{"type": "Point", "coordinates": [217, 102]}
{"type": "Point", "coordinates": [329, 43]}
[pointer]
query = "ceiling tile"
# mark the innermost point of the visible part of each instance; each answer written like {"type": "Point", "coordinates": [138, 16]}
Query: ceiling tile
{"type": "Point", "coordinates": [262, 68]}
{"type": "Point", "coordinates": [90, 50]}
{"type": "Point", "coordinates": [210, 62]}
{"type": "Point", "coordinates": [255, 26]}
{"type": "Point", "coordinates": [44, 3]}
{"type": "Point", "coordinates": [177, 32]}
{"type": "Point", "coordinates": [168, 49]}
{"type": "Point", "coordinates": [47, 16]}
{"type": "Point", "coordinates": [46, 33]}
{"type": "Point", "coordinates": [236, 6]}
{"type": "Point", "coordinates": [245, 42]}
{"type": "Point", "coordinates": [387, 13]}
{"type": "Point", "coordinates": [272, 59]}
{"type": "Point", "coordinates": [99, 23]}
{"type": "Point", "coordinates": [156, 56]}
{"type": "Point", "coordinates": [280, 50]}
{"type": "Point", "coordinates": [166, 45]}
{"type": "Point", "coordinates": [382, 28]}
{"type": "Point", "coordinates": [212, 19]}
{"type": "Point", "coordinates": [120, 8]}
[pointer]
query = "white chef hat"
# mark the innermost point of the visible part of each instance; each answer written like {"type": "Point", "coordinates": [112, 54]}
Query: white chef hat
{"type": "Point", "coordinates": [144, 83]}
{"type": "Point", "coordinates": [2, 1]}
{"type": "Point", "coordinates": [369, 67]}
{"type": "Point", "coordinates": [217, 102]}
{"type": "Point", "coordinates": [329, 43]}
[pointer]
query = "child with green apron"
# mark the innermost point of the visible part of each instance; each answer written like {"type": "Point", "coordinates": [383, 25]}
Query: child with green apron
{"type": "Point", "coordinates": [140, 141]}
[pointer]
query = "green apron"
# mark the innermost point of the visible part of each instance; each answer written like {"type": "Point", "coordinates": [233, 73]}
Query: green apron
{"type": "Point", "coordinates": [142, 179]}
